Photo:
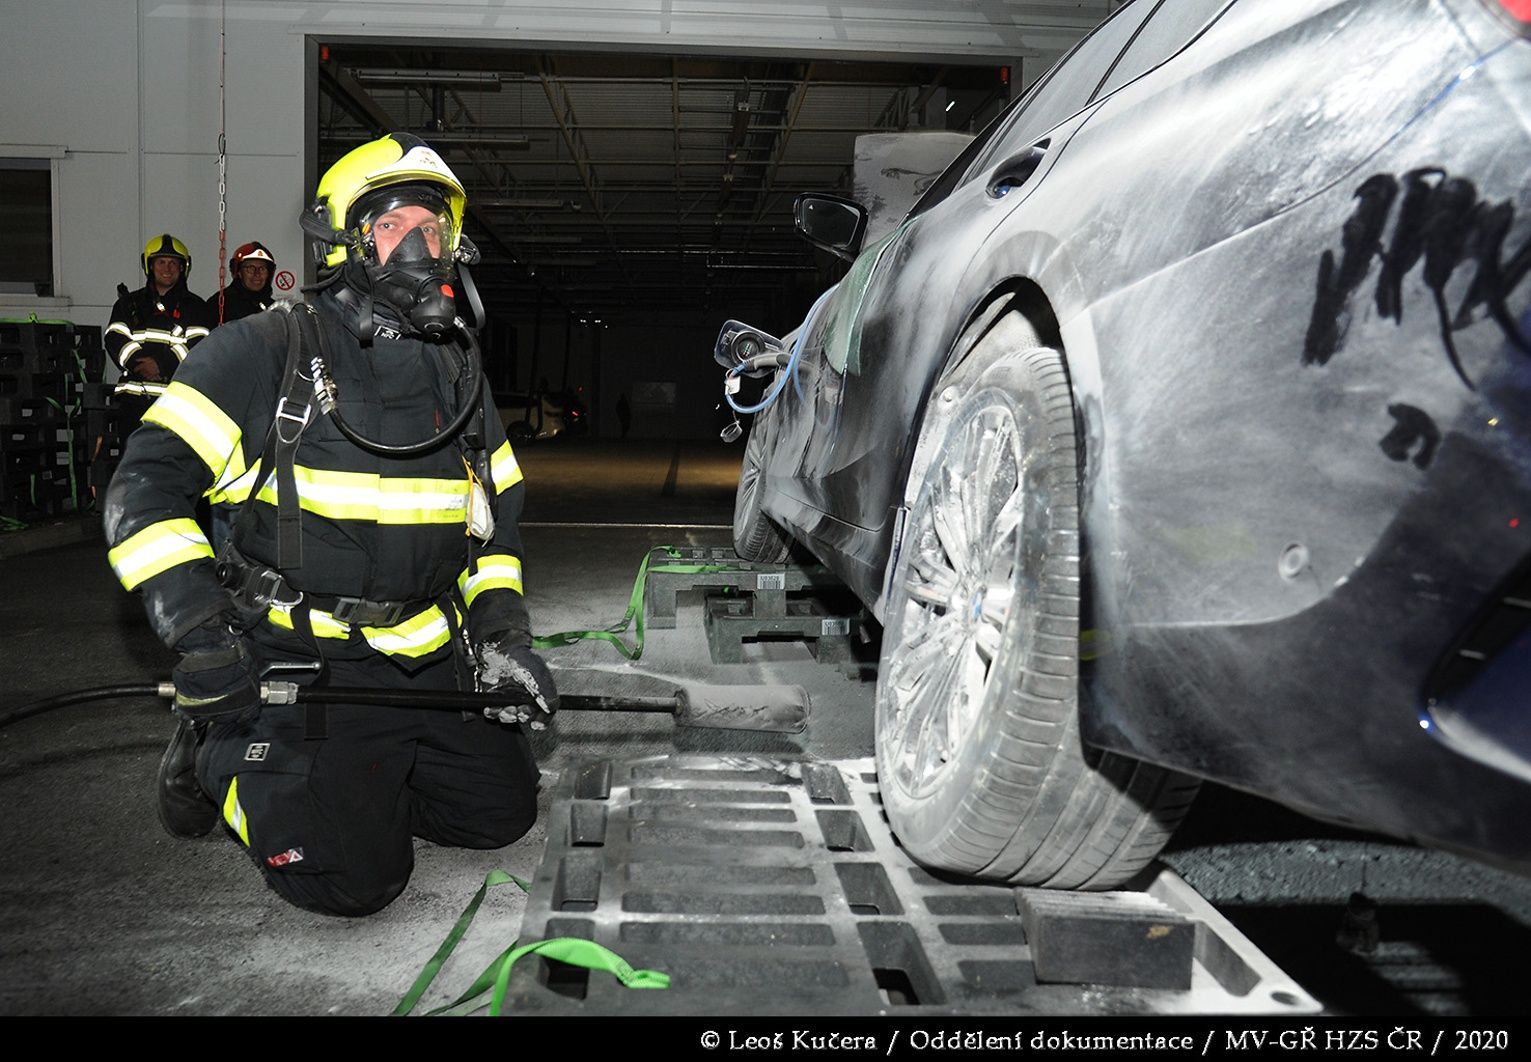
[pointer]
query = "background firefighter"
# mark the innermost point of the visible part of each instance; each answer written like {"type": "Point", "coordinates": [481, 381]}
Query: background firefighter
{"type": "Point", "coordinates": [363, 536]}
{"type": "Point", "coordinates": [154, 328]}
{"type": "Point", "coordinates": [249, 288]}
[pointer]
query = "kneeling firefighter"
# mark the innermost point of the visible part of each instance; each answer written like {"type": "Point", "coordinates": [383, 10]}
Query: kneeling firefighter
{"type": "Point", "coordinates": [365, 507]}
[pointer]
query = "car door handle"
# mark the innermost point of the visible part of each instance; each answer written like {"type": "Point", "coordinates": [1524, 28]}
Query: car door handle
{"type": "Point", "coordinates": [1016, 170]}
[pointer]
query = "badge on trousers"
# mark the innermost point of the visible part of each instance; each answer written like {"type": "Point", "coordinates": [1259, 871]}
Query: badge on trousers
{"type": "Point", "coordinates": [257, 752]}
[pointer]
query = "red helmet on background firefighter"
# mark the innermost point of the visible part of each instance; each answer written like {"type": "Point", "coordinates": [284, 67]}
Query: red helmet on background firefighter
{"type": "Point", "coordinates": [249, 288]}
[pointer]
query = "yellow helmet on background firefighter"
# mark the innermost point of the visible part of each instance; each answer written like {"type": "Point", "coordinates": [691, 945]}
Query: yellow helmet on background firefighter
{"type": "Point", "coordinates": [165, 246]}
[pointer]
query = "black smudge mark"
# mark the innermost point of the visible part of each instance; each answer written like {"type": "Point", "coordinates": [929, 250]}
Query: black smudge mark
{"type": "Point", "coordinates": [1494, 278]}
{"type": "Point", "coordinates": [1440, 220]}
{"type": "Point", "coordinates": [1447, 231]}
{"type": "Point", "coordinates": [1411, 426]}
{"type": "Point", "coordinates": [1408, 240]}
{"type": "Point", "coordinates": [1360, 238]}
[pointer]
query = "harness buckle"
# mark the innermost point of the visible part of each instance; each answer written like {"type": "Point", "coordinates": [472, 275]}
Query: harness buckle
{"type": "Point", "coordinates": [265, 587]}
{"type": "Point", "coordinates": [284, 412]}
{"type": "Point", "coordinates": [358, 611]}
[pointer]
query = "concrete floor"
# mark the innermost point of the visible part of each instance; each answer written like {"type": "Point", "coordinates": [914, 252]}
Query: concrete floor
{"type": "Point", "coordinates": [105, 914]}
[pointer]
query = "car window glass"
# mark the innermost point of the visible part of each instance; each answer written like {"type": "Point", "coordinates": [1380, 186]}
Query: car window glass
{"type": "Point", "coordinates": [952, 175]}
{"type": "Point", "coordinates": [1067, 87]}
{"type": "Point", "coordinates": [1169, 30]}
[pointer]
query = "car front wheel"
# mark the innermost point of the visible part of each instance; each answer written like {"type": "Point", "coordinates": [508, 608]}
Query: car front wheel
{"type": "Point", "coordinates": [979, 756]}
{"type": "Point", "coordinates": [756, 537]}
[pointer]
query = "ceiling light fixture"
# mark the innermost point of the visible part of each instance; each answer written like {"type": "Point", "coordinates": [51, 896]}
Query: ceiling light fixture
{"type": "Point", "coordinates": [526, 204]}
{"type": "Point", "coordinates": [485, 79]}
{"type": "Point", "coordinates": [467, 140]}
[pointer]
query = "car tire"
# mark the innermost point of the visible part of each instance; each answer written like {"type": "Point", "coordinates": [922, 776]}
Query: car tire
{"type": "Point", "coordinates": [756, 536]}
{"type": "Point", "coordinates": [519, 431]}
{"type": "Point", "coordinates": [979, 756]}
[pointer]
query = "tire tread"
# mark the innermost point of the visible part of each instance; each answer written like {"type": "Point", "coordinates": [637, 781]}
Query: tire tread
{"type": "Point", "coordinates": [1041, 809]}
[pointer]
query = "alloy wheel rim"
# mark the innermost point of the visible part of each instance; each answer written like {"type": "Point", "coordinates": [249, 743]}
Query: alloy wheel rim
{"type": "Point", "coordinates": [958, 585]}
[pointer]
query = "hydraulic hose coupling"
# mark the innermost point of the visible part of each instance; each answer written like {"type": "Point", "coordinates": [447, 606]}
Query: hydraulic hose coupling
{"type": "Point", "coordinates": [325, 392]}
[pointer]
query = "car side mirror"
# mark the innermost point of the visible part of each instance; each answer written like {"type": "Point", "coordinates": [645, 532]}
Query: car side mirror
{"type": "Point", "coordinates": [827, 221]}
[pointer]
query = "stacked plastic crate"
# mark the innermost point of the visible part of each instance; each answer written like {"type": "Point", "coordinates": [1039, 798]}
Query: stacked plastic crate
{"type": "Point", "coordinates": [54, 417]}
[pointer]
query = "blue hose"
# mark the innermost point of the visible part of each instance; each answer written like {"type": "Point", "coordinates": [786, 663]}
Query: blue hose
{"type": "Point", "coordinates": [788, 371]}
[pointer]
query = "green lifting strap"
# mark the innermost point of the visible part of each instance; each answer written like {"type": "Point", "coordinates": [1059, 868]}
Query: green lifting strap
{"type": "Point", "coordinates": [496, 977]}
{"type": "Point", "coordinates": [634, 614]}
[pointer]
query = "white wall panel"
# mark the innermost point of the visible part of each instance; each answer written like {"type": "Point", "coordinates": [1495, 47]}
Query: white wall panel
{"type": "Point", "coordinates": [99, 243]}
{"type": "Point", "coordinates": [80, 73]}
{"type": "Point", "coordinates": [69, 74]}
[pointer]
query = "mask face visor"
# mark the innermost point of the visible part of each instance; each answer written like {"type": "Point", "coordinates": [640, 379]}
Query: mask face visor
{"type": "Point", "coordinates": [388, 219]}
{"type": "Point", "coordinates": [410, 234]}
{"type": "Point", "coordinates": [420, 245]}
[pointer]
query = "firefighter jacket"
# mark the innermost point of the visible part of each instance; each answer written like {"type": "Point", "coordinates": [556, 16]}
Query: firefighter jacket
{"type": "Point", "coordinates": [382, 529]}
{"type": "Point", "coordinates": [163, 327]}
{"type": "Point", "coordinates": [239, 302]}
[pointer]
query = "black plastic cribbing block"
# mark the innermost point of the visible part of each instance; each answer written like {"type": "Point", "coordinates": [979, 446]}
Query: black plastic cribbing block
{"type": "Point", "coordinates": [38, 384]}
{"type": "Point", "coordinates": [1109, 938]}
{"type": "Point", "coordinates": [766, 886]}
{"type": "Point", "coordinates": [15, 409]}
{"type": "Point", "coordinates": [768, 584]}
{"type": "Point", "coordinates": [730, 622]}
{"type": "Point", "coordinates": [96, 395]}
{"type": "Point", "coordinates": [87, 337]}
{"type": "Point", "coordinates": [13, 436]}
{"type": "Point", "coordinates": [18, 360]}
{"type": "Point", "coordinates": [33, 336]}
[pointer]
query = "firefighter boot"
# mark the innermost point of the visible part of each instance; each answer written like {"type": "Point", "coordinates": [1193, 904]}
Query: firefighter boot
{"type": "Point", "coordinates": [184, 809]}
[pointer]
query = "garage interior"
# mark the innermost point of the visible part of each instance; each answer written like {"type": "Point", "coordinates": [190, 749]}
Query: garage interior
{"type": "Point", "coordinates": [626, 205]}
{"type": "Point", "coordinates": [610, 193]}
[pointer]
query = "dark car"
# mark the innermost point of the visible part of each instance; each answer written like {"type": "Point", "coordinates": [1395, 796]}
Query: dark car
{"type": "Point", "coordinates": [544, 415]}
{"type": "Point", "coordinates": [1182, 431]}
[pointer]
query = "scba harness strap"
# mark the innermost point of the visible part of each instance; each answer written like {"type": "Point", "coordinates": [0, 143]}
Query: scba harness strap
{"type": "Point", "coordinates": [255, 586]}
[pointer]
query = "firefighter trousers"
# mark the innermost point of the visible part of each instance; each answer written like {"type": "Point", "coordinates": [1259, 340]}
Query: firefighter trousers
{"type": "Point", "coordinates": [330, 820]}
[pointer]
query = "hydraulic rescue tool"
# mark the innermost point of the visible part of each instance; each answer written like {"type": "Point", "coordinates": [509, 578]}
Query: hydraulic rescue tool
{"type": "Point", "coordinates": [776, 709]}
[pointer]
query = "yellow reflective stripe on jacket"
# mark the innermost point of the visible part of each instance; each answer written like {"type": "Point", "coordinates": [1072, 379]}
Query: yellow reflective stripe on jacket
{"type": "Point", "coordinates": [233, 814]}
{"type": "Point", "coordinates": [384, 500]}
{"type": "Point", "coordinates": [158, 548]}
{"type": "Point", "coordinates": [176, 341]}
{"type": "Point", "coordinates": [416, 636]}
{"type": "Point", "coordinates": [324, 624]}
{"type": "Point", "coordinates": [494, 573]}
{"type": "Point", "coordinates": [231, 489]}
{"type": "Point", "coordinates": [422, 633]}
{"type": "Point", "coordinates": [160, 335]}
{"type": "Point", "coordinates": [504, 468]}
{"type": "Point", "coordinates": [202, 426]}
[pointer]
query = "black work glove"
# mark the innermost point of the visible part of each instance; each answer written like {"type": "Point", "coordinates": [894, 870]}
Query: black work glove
{"type": "Point", "coordinates": [507, 662]}
{"type": "Point", "coordinates": [217, 681]}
